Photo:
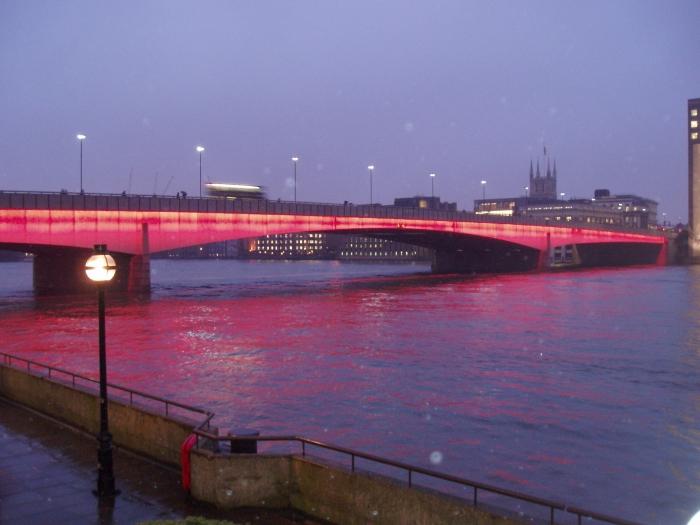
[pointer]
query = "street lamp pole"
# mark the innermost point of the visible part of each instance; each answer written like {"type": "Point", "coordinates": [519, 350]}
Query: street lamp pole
{"type": "Point", "coordinates": [370, 168]}
{"type": "Point", "coordinates": [483, 190]}
{"type": "Point", "coordinates": [200, 150]}
{"type": "Point", "coordinates": [81, 138]}
{"type": "Point", "coordinates": [432, 185]}
{"type": "Point", "coordinates": [295, 160]}
{"type": "Point", "coordinates": [100, 268]}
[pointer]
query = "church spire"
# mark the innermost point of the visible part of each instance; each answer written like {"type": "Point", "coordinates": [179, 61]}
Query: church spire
{"type": "Point", "coordinates": [538, 169]}
{"type": "Point", "coordinates": [549, 172]}
{"type": "Point", "coordinates": [531, 173]}
{"type": "Point", "coordinates": [554, 173]}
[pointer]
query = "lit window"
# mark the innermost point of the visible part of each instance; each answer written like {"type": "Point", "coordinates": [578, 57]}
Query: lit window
{"type": "Point", "coordinates": [693, 123]}
{"type": "Point", "coordinates": [694, 135]}
{"type": "Point", "coordinates": [693, 112]}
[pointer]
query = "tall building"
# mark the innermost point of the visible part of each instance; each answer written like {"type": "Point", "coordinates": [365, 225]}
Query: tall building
{"type": "Point", "coordinates": [694, 178]}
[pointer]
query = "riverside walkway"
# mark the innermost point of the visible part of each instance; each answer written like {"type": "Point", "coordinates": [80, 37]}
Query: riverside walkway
{"type": "Point", "coordinates": [48, 472]}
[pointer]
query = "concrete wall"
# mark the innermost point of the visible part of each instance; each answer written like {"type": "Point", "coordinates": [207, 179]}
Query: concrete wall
{"type": "Point", "coordinates": [343, 497]}
{"type": "Point", "coordinates": [241, 480]}
{"type": "Point", "coordinates": [324, 491]}
{"type": "Point", "coordinates": [136, 429]}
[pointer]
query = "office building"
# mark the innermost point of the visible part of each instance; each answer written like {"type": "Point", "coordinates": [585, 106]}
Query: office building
{"type": "Point", "coordinates": [694, 178]}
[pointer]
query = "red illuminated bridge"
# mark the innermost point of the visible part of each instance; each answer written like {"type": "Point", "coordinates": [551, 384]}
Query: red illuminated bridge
{"type": "Point", "coordinates": [60, 229]}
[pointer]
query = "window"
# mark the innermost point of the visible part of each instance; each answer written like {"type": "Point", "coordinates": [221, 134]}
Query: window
{"type": "Point", "coordinates": [693, 112]}
{"type": "Point", "coordinates": [694, 136]}
{"type": "Point", "coordinates": [693, 123]}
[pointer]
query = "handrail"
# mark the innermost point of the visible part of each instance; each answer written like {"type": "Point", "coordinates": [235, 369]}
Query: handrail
{"type": "Point", "coordinates": [8, 359]}
{"type": "Point", "coordinates": [552, 505]}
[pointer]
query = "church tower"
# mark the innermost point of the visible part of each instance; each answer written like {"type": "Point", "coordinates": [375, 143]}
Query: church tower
{"type": "Point", "coordinates": [543, 187]}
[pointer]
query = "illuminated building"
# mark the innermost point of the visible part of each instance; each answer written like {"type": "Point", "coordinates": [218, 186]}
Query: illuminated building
{"type": "Point", "coordinates": [330, 246]}
{"type": "Point", "coordinates": [694, 177]}
{"type": "Point", "coordinates": [541, 202]}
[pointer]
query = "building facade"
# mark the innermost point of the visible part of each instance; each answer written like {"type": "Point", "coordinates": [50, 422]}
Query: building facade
{"type": "Point", "coordinates": [428, 203]}
{"type": "Point", "coordinates": [694, 178]}
{"type": "Point", "coordinates": [540, 201]}
{"type": "Point", "coordinates": [331, 246]}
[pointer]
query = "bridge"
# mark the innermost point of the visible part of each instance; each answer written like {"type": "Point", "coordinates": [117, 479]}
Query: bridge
{"type": "Point", "coordinates": [61, 229]}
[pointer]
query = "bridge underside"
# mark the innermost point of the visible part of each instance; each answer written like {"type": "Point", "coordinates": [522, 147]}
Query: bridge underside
{"type": "Point", "coordinates": [455, 253]}
{"type": "Point", "coordinates": [59, 269]}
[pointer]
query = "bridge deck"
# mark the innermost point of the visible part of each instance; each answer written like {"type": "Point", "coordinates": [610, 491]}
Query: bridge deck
{"type": "Point", "coordinates": [160, 203]}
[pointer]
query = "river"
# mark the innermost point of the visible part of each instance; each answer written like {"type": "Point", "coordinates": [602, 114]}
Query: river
{"type": "Point", "coordinates": [580, 386]}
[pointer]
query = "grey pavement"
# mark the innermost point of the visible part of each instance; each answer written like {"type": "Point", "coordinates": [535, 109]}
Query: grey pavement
{"type": "Point", "coordinates": [48, 472]}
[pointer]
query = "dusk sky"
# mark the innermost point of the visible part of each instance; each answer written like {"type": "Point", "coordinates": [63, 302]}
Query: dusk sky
{"type": "Point", "coordinates": [468, 90]}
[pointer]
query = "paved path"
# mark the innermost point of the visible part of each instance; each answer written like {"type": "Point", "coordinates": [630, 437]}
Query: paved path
{"type": "Point", "coordinates": [48, 471]}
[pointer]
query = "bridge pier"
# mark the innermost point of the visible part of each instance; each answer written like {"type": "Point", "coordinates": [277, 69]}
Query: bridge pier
{"type": "Point", "coordinates": [62, 270]}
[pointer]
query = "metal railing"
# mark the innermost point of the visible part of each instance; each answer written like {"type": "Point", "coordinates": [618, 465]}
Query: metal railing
{"type": "Point", "coordinates": [169, 203]}
{"type": "Point", "coordinates": [476, 486]}
{"type": "Point", "coordinates": [51, 372]}
{"type": "Point", "coordinates": [76, 380]}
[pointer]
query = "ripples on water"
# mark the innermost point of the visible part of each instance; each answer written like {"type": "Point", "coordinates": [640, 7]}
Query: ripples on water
{"type": "Point", "coordinates": [581, 386]}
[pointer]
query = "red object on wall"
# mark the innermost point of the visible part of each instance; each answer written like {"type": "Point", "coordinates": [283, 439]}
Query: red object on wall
{"type": "Point", "coordinates": [185, 449]}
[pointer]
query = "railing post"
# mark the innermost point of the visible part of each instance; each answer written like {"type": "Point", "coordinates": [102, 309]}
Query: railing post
{"type": "Point", "coordinates": [551, 515]}
{"type": "Point", "coordinates": [475, 495]}
{"type": "Point", "coordinates": [352, 456]}
{"type": "Point", "coordinates": [410, 480]}
{"type": "Point", "coordinates": [303, 448]}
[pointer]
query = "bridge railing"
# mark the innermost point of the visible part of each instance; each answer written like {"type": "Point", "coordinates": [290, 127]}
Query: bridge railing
{"type": "Point", "coordinates": [165, 203]}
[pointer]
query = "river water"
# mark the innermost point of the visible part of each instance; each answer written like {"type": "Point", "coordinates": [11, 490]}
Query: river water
{"type": "Point", "coordinates": [580, 386]}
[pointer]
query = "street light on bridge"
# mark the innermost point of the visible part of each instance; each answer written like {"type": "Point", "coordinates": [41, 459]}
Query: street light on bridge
{"type": "Point", "coordinates": [295, 160]}
{"type": "Point", "coordinates": [483, 190]}
{"type": "Point", "coordinates": [200, 150]}
{"type": "Point", "coordinates": [432, 185]}
{"type": "Point", "coordinates": [81, 138]}
{"type": "Point", "coordinates": [100, 268]}
{"type": "Point", "coordinates": [370, 168]}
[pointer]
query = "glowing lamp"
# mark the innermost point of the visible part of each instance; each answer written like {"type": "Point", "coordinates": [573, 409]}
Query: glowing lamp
{"type": "Point", "coordinates": [199, 149]}
{"type": "Point", "coordinates": [370, 167]}
{"type": "Point", "coordinates": [100, 267]}
{"type": "Point", "coordinates": [80, 136]}
{"type": "Point", "coordinates": [432, 175]}
{"type": "Point", "coordinates": [295, 159]}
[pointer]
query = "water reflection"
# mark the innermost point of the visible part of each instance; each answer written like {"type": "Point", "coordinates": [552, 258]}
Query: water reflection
{"type": "Point", "coordinates": [576, 386]}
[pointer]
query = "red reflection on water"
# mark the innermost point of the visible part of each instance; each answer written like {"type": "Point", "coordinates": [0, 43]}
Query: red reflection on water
{"type": "Point", "coordinates": [539, 382]}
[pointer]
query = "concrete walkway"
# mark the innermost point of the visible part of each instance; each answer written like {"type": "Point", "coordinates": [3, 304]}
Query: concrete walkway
{"type": "Point", "coordinates": [48, 472]}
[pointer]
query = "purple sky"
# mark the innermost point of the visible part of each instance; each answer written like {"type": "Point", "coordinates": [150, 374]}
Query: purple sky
{"type": "Point", "coordinates": [470, 90]}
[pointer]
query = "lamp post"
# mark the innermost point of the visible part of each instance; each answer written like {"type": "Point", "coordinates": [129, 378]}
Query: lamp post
{"type": "Point", "coordinates": [562, 194]}
{"type": "Point", "coordinates": [295, 160]}
{"type": "Point", "coordinates": [81, 138]}
{"type": "Point", "coordinates": [432, 185]}
{"type": "Point", "coordinates": [370, 168]}
{"type": "Point", "coordinates": [483, 190]}
{"type": "Point", "coordinates": [100, 268]}
{"type": "Point", "coordinates": [200, 150]}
